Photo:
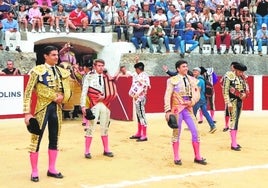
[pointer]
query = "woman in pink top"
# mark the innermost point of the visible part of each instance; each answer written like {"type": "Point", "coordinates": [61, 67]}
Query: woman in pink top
{"type": "Point", "coordinates": [35, 17]}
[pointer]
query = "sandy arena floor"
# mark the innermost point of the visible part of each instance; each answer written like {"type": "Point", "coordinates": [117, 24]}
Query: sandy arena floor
{"type": "Point", "coordinates": [147, 164]}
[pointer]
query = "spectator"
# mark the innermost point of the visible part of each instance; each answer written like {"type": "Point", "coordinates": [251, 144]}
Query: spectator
{"type": "Point", "coordinates": [248, 34]}
{"type": "Point", "coordinates": [147, 14]}
{"type": "Point", "coordinates": [123, 72]}
{"type": "Point", "coordinates": [54, 4]}
{"type": "Point", "coordinates": [261, 13]}
{"type": "Point", "coordinates": [47, 17]}
{"type": "Point", "coordinates": [218, 18]}
{"type": "Point", "coordinates": [61, 18]}
{"type": "Point", "coordinates": [173, 36]}
{"type": "Point", "coordinates": [136, 3]}
{"type": "Point", "coordinates": [90, 6]}
{"type": "Point", "coordinates": [233, 18]}
{"type": "Point", "coordinates": [161, 17]}
{"type": "Point", "coordinates": [96, 20]}
{"type": "Point", "coordinates": [206, 18]}
{"type": "Point", "coordinates": [35, 17]}
{"type": "Point", "coordinates": [246, 17]}
{"type": "Point", "coordinates": [237, 37]}
{"type": "Point", "coordinates": [27, 3]}
{"type": "Point", "coordinates": [121, 25]}
{"type": "Point", "coordinates": [150, 4]}
{"type": "Point", "coordinates": [69, 5]}
{"type": "Point", "coordinates": [78, 18]}
{"type": "Point", "coordinates": [11, 30]}
{"type": "Point", "coordinates": [109, 11]}
{"type": "Point", "coordinates": [204, 36]}
{"type": "Point", "coordinates": [191, 16]}
{"type": "Point", "coordinates": [133, 14]}
{"type": "Point", "coordinates": [161, 4]}
{"type": "Point", "coordinates": [1, 36]}
{"type": "Point", "coordinates": [23, 17]}
{"type": "Point", "coordinates": [4, 9]}
{"type": "Point", "coordinates": [10, 69]}
{"type": "Point", "coordinates": [262, 38]}
{"type": "Point", "coordinates": [155, 35]}
{"type": "Point", "coordinates": [223, 36]}
{"type": "Point", "coordinates": [190, 37]}
{"type": "Point", "coordinates": [139, 28]}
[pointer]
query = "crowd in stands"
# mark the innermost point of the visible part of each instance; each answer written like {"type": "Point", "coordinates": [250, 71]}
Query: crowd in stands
{"type": "Point", "coordinates": [148, 22]}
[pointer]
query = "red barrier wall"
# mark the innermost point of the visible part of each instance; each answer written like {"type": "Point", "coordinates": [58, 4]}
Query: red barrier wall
{"type": "Point", "coordinates": [155, 97]}
{"type": "Point", "coordinates": [264, 92]}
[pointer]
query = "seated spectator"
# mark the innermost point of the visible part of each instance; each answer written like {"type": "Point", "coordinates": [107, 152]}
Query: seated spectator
{"type": "Point", "coordinates": [90, 7]}
{"type": "Point", "coordinates": [23, 17]}
{"type": "Point", "coordinates": [161, 4]}
{"type": "Point", "coordinates": [262, 38]}
{"type": "Point", "coordinates": [121, 25]}
{"type": "Point", "coordinates": [133, 14]}
{"type": "Point", "coordinates": [54, 4]}
{"type": "Point", "coordinates": [35, 17]}
{"type": "Point", "coordinates": [237, 37]}
{"type": "Point", "coordinates": [10, 69]}
{"type": "Point", "coordinates": [155, 35]}
{"type": "Point", "coordinates": [61, 18]}
{"type": "Point", "coordinates": [96, 20]}
{"type": "Point", "coordinates": [40, 3]}
{"type": "Point", "coordinates": [218, 17]}
{"type": "Point", "coordinates": [146, 13]}
{"type": "Point", "coordinates": [69, 5]}
{"type": "Point", "coordinates": [173, 36]}
{"type": "Point", "coordinates": [223, 36]}
{"type": "Point", "coordinates": [248, 34]}
{"type": "Point", "coordinates": [233, 18]}
{"type": "Point", "coordinates": [122, 6]}
{"type": "Point", "coordinates": [246, 17]}
{"type": "Point", "coordinates": [206, 18]}
{"type": "Point", "coordinates": [4, 9]}
{"type": "Point", "coordinates": [139, 28]}
{"type": "Point", "coordinates": [84, 3]}
{"type": "Point", "coordinates": [11, 31]}
{"type": "Point", "coordinates": [161, 17]}
{"type": "Point", "coordinates": [78, 18]}
{"type": "Point", "coordinates": [136, 3]}
{"type": "Point", "coordinates": [204, 37]}
{"type": "Point", "coordinates": [27, 3]}
{"type": "Point", "coordinates": [109, 11]}
{"type": "Point", "coordinates": [189, 37]}
{"type": "Point", "coordinates": [192, 17]}
{"type": "Point", "coordinates": [47, 17]}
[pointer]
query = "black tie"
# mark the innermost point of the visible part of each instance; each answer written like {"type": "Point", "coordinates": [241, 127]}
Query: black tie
{"type": "Point", "coordinates": [100, 80]}
{"type": "Point", "coordinates": [184, 79]}
{"type": "Point", "coordinates": [54, 71]}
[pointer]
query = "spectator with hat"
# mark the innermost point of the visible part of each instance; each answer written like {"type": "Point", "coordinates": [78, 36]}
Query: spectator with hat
{"type": "Point", "coordinates": [96, 19]}
{"type": "Point", "coordinates": [262, 38]}
{"type": "Point", "coordinates": [234, 93]}
{"type": "Point", "coordinates": [161, 17]}
{"type": "Point", "coordinates": [155, 35]}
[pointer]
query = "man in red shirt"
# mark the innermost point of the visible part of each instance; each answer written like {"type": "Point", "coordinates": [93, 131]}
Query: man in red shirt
{"type": "Point", "coordinates": [78, 18]}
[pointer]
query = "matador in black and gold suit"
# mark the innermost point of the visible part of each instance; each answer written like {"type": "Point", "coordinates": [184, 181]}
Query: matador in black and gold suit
{"type": "Point", "coordinates": [51, 85]}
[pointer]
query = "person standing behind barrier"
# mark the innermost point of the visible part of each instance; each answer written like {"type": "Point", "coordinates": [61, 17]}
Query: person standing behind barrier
{"type": "Point", "coordinates": [181, 94]}
{"type": "Point", "coordinates": [138, 91]}
{"type": "Point", "coordinates": [202, 103]}
{"type": "Point", "coordinates": [10, 69]}
{"type": "Point", "coordinates": [100, 90]}
{"type": "Point", "coordinates": [51, 85]}
{"type": "Point", "coordinates": [234, 92]}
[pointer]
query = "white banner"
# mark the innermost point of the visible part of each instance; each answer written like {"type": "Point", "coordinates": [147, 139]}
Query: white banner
{"type": "Point", "coordinates": [11, 95]}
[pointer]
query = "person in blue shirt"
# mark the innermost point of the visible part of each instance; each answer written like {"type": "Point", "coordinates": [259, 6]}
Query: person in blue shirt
{"type": "Point", "coordinates": [262, 38]}
{"type": "Point", "coordinates": [139, 37]}
{"type": "Point", "coordinates": [189, 37]}
{"type": "Point", "coordinates": [202, 103]}
{"type": "Point", "coordinates": [11, 30]}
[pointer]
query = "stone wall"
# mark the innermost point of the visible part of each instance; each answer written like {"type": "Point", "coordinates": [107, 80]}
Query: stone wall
{"type": "Point", "coordinates": [23, 61]}
{"type": "Point", "coordinates": [153, 62]}
{"type": "Point", "coordinates": [256, 64]}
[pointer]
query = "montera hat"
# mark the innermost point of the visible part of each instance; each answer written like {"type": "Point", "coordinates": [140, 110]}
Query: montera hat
{"type": "Point", "coordinates": [172, 121]}
{"type": "Point", "coordinates": [203, 70]}
{"type": "Point", "coordinates": [240, 66]}
{"type": "Point", "coordinates": [33, 126]}
{"type": "Point", "coordinates": [139, 65]}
